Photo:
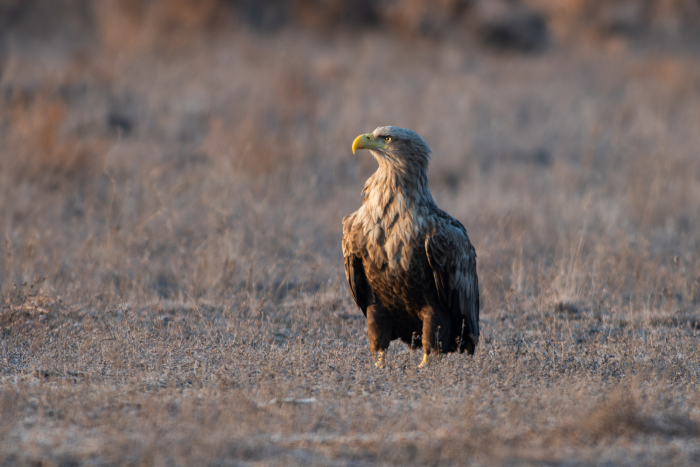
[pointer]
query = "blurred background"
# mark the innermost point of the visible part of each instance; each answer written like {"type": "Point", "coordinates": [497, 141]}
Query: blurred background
{"type": "Point", "coordinates": [182, 149]}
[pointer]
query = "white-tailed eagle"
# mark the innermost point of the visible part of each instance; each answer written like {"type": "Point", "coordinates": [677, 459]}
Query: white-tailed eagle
{"type": "Point", "coordinates": [410, 266]}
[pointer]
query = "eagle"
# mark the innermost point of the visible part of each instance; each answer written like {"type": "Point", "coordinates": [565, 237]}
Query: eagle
{"type": "Point", "coordinates": [410, 266]}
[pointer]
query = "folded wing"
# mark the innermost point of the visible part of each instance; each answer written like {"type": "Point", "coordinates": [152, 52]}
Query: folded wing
{"type": "Point", "coordinates": [453, 261]}
{"type": "Point", "coordinates": [359, 287]}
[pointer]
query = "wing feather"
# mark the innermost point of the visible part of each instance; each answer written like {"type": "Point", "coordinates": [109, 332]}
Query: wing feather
{"type": "Point", "coordinates": [359, 286]}
{"type": "Point", "coordinates": [453, 260]}
{"type": "Point", "coordinates": [354, 267]}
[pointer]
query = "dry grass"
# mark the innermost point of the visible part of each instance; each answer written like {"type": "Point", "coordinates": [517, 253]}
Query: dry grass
{"type": "Point", "coordinates": [170, 267]}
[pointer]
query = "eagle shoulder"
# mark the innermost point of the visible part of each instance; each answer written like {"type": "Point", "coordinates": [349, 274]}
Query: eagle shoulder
{"type": "Point", "coordinates": [347, 241]}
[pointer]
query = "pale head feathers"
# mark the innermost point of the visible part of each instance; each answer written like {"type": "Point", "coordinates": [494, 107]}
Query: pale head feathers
{"type": "Point", "coordinates": [395, 211]}
{"type": "Point", "coordinates": [403, 150]}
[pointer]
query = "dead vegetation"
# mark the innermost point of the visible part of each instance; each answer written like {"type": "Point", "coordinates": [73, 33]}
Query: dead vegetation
{"type": "Point", "coordinates": [170, 267]}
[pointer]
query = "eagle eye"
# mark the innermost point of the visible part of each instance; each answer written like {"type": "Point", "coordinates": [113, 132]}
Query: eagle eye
{"type": "Point", "coordinates": [387, 139]}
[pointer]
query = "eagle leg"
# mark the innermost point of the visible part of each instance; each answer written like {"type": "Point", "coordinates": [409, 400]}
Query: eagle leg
{"type": "Point", "coordinates": [381, 359]}
{"type": "Point", "coordinates": [379, 327]}
{"type": "Point", "coordinates": [436, 333]}
{"type": "Point", "coordinates": [426, 361]}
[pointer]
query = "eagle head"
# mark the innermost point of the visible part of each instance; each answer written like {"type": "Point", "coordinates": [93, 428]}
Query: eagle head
{"type": "Point", "coordinates": [398, 147]}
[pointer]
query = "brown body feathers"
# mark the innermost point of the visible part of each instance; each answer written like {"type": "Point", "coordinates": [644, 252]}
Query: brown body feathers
{"type": "Point", "coordinates": [410, 266]}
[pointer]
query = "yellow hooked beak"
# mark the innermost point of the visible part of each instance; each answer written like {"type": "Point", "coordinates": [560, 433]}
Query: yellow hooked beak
{"type": "Point", "coordinates": [367, 141]}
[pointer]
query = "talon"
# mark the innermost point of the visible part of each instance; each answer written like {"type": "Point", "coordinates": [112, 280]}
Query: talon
{"type": "Point", "coordinates": [381, 360]}
{"type": "Point", "coordinates": [426, 361]}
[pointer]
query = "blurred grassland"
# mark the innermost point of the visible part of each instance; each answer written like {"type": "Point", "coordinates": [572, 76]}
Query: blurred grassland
{"type": "Point", "coordinates": [173, 175]}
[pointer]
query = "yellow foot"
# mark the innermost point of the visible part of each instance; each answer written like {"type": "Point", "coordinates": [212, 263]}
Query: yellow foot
{"type": "Point", "coordinates": [381, 360]}
{"type": "Point", "coordinates": [425, 362]}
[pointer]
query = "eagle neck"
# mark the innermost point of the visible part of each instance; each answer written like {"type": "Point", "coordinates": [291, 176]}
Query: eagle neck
{"type": "Point", "coordinates": [390, 183]}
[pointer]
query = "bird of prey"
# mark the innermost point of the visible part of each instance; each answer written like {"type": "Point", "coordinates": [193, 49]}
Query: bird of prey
{"type": "Point", "coordinates": [410, 266]}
